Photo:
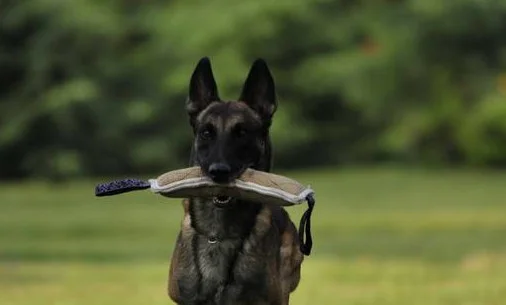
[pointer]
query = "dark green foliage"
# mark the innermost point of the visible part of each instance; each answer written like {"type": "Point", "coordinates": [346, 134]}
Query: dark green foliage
{"type": "Point", "coordinates": [92, 87]}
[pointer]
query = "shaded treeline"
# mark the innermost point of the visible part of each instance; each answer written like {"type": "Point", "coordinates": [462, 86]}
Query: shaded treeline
{"type": "Point", "coordinates": [92, 87]}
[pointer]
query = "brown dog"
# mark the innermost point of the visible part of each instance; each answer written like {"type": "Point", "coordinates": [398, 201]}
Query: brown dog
{"type": "Point", "coordinates": [228, 251]}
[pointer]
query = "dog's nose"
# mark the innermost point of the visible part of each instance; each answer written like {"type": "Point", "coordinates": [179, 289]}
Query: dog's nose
{"type": "Point", "coordinates": [220, 172]}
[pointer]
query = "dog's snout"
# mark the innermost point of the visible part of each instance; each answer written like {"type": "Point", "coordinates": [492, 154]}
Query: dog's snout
{"type": "Point", "coordinates": [220, 172]}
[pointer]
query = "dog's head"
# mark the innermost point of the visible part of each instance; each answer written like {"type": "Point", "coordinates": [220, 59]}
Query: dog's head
{"type": "Point", "coordinates": [230, 137]}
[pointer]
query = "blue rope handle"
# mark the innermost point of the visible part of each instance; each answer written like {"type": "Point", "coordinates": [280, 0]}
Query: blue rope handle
{"type": "Point", "coordinates": [120, 186]}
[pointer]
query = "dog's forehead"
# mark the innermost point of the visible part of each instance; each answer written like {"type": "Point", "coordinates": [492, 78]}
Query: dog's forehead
{"type": "Point", "coordinates": [227, 114]}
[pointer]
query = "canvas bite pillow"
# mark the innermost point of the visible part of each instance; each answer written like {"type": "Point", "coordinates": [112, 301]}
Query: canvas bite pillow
{"type": "Point", "coordinates": [252, 185]}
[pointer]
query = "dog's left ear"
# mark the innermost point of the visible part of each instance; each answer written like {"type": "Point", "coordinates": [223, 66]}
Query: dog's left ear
{"type": "Point", "coordinates": [259, 91]}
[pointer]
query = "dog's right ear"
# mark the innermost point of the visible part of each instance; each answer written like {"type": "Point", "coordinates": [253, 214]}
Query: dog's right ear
{"type": "Point", "coordinates": [203, 89]}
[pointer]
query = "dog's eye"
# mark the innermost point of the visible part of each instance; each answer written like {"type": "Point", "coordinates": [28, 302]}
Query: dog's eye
{"type": "Point", "coordinates": [241, 132]}
{"type": "Point", "coordinates": [206, 134]}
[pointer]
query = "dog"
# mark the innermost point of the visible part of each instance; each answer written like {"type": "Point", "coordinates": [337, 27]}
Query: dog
{"type": "Point", "coordinates": [231, 252]}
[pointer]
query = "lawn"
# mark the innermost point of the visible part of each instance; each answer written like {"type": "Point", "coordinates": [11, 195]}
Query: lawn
{"type": "Point", "coordinates": [382, 236]}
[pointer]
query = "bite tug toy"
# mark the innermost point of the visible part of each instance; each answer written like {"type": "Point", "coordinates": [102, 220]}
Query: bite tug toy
{"type": "Point", "coordinates": [252, 185]}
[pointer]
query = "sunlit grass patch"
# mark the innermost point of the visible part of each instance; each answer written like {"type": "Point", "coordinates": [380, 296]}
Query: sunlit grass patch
{"type": "Point", "coordinates": [388, 236]}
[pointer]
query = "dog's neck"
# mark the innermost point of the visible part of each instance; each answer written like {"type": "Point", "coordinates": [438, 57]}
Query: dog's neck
{"type": "Point", "coordinates": [233, 222]}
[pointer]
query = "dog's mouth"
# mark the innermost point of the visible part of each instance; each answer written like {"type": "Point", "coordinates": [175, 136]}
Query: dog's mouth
{"type": "Point", "coordinates": [221, 201]}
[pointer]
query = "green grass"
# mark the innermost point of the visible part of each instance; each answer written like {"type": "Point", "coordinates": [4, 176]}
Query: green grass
{"type": "Point", "coordinates": [382, 236]}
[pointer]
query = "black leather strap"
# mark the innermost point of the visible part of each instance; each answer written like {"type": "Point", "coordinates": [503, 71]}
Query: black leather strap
{"type": "Point", "coordinates": [305, 227]}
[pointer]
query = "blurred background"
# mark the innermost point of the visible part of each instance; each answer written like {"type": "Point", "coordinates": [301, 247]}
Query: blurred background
{"type": "Point", "coordinates": [394, 111]}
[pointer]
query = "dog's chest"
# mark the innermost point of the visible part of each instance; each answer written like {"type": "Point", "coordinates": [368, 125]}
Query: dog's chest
{"type": "Point", "coordinates": [232, 266]}
{"type": "Point", "coordinates": [228, 273]}
{"type": "Point", "coordinates": [216, 258]}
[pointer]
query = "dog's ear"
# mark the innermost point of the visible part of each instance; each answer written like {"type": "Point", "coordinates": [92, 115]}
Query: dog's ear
{"type": "Point", "coordinates": [203, 89]}
{"type": "Point", "coordinates": [259, 91]}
